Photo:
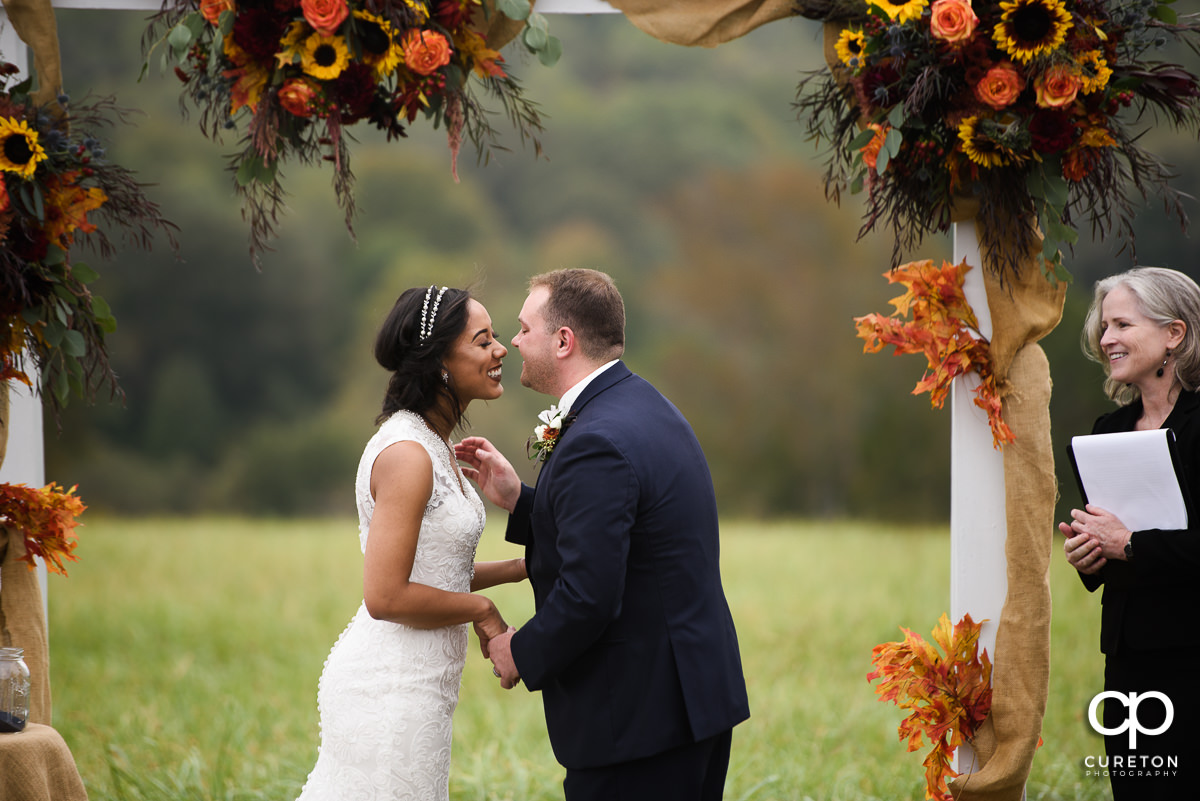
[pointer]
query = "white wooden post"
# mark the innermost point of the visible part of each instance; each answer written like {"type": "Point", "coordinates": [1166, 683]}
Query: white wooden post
{"type": "Point", "coordinates": [978, 525]}
{"type": "Point", "coordinates": [24, 462]}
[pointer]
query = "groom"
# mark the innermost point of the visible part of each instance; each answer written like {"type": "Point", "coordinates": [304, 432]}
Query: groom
{"type": "Point", "coordinates": [632, 643]}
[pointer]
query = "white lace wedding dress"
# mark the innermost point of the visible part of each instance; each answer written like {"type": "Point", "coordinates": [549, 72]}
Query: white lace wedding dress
{"type": "Point", "coordinates": [387, 694]}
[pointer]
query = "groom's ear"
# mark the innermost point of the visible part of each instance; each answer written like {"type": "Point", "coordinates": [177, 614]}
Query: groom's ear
{"type": "Point", "coordinates": [565, 342]}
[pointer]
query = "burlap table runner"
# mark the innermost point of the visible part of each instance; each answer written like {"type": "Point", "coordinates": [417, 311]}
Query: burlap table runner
{"type": "Point", "coordinates": [36, 765]}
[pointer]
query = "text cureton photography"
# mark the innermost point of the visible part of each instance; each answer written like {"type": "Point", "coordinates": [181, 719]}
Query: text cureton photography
{"type": "Point", "coordinates": [1158, 719]}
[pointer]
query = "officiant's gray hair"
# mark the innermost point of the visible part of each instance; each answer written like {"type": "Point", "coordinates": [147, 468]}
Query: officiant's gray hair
{"type": "Point", "coordinates": [587, 302]}
{"type": "Point", "coordinates": [1164, 296]}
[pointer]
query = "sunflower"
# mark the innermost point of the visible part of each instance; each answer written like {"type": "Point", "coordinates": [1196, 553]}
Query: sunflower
{"type": "Point", "coordinates": [19, 148]}
{"type": "Point", "coordinates": [1094, 71]}
{"type": "Point", "coordinates": [377, 38]}
{"type": "Point", "coordinates": [981, 147]}
{"type": "Point", "coordinates": [850, 47]}
{"type": "Point", "coordinates": [902, 12]}
{"type": "Point", "coordinates": [325, 57]}
{"type": "Point", "coordinates": [1029, 28]}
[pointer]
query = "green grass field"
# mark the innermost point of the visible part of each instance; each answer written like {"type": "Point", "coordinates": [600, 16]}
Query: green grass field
{"type": "Point", "coordinates": [185, 657]}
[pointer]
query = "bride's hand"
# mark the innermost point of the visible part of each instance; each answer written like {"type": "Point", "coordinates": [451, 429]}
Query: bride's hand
{"type": "Point", "coordinates": [489, 626]}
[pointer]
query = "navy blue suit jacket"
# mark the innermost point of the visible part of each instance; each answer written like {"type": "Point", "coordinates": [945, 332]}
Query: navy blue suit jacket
{"type": "Point", "coordinates": [632, 644]}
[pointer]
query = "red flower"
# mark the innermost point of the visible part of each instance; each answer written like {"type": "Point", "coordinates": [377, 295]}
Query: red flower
{"type": "Point", "coordinates": [355, 90]}
{"type": "Point", "coordinates": [257, 31]}
{"type": "Point", "coordinates": [451, 14]}
{"type": "Point", "coordinates": [1052, 131]}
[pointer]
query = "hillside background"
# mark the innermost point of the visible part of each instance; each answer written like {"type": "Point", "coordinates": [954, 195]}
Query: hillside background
{"type": "Point", "coordinates": [682, 172]}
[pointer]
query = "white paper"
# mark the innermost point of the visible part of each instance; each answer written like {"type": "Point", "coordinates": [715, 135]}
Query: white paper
{"type": "Point", "coordinates": [1131, 475]}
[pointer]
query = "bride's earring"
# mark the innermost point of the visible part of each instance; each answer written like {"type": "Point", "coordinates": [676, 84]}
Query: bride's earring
{"type": "Point", "coordinates": [1159, 371]}
{"type": "Point", "coordinates": [446, 376]}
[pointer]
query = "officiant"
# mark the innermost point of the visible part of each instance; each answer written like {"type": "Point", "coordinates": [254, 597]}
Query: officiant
{"type": "Point", "coordinates": [1143, 328]}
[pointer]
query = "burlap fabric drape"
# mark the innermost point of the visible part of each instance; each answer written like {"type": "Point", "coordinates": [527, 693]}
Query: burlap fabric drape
{"type": "Point", "coordinates": [33, 20]}
{"type": "Point", "coordinates": [23, 620]}
{"type": "Point", "coordinates": [701, 23]}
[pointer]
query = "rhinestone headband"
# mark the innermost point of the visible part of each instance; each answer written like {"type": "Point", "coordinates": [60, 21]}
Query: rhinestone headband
{"type": "Point", "coordinates": [428, 316]}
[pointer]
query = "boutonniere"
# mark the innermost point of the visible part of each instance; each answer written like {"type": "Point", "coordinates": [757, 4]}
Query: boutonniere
{"type": "Point", "coordinates": [546, 435]}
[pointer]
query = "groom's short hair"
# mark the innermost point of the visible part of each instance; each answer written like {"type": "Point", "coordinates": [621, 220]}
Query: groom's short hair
{"type": "Point", "coordinates": [587, 302]}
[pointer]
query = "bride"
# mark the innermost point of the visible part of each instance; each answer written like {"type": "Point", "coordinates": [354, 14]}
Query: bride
{"type": "Point", "coordinates": [387, 695]}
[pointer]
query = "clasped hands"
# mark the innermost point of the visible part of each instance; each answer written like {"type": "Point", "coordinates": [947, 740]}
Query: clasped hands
{"type": "Point", "coordinates": [1094, 536]}
{"type": "Point", "coordinates": [498, 648]}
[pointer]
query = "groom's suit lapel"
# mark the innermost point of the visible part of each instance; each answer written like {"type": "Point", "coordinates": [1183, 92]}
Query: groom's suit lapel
{"type": "Point", "coordinates": [609, 378]}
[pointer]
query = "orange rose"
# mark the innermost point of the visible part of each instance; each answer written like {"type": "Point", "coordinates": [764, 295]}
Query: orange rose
{"type": "Point", "coordinates": [952, 20]}
{"type": "Point", "coordinates": [1057, 86]}
{"type": "Point", "coordinates": [1000, 86]}
{"type": "Point", "coordinates": [211, 9]}
{"type": "Point", "coordinates": [425, 51]}
{"type": "Point", "coordinates": [325, 15]}
{"type": "Point", "coordinates": [296, 96]}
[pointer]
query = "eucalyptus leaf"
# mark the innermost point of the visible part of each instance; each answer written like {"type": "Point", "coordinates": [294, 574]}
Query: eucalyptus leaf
{"type": "Point", "coordinates": [247, 171]}
{"type": "Point", "coordinates": [891, 144]}
{"type": "Point", "coordinates": [103, 312]}
{"type": "Point", "coordinates": [535, 38]}
{"type": "Point", "coordinates": [536, 20]}
{"type": "Point", "coordinates": [1165, 14]}
{"type": "Point", "coordinates": [62, 387]}
{"type": "Point", "coordinates": [53, 333]}
{"type": "Point", "coordinates": [83, 273]}
{"type": "Point", "coordinates": [180, 39]}
{"type": "Point", "coordinates": [896, 115]}
{"type": "Point", "coordinates": [1056, 191]}
{"type": "Point", "coordinates": [73, 344]}
{"type": "Point", "coordinates": [862, 139]}
{"type": "Point", "coordinates": [551, 53]}
{"type": "Point", "coordinates": [881, 161]}
{"type": "Point", "coordinates": [514, 9]}
{"type": "Point", "coordinates": [55, 256]}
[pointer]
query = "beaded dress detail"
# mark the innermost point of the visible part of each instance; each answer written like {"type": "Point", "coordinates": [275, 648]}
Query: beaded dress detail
{"type": "Point", "coordinates": [387, 695]}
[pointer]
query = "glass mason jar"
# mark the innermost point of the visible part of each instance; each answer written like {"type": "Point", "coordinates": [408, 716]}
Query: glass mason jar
{"type": "Point", "coordinates": [14, 690]}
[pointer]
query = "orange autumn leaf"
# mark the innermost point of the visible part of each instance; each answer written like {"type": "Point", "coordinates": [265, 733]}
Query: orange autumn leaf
{"type": "Point", "coordinates": [47, 519]}
{"type": "Point", "coordinates": [948, 693]}
{"type": "Point", "coordinates": [943, 328]}
{"type": "Point", "coordinates": [67, 205]}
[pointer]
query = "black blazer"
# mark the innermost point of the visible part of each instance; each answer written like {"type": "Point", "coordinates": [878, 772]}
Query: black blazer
{"type": "Point", "coordinates": [632, 643]}
{"type": "Point", "coordinates": [1144, 599]}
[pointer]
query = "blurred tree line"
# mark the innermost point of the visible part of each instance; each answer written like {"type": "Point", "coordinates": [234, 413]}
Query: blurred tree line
{"type": "Point", "coordinates": [682, 172]}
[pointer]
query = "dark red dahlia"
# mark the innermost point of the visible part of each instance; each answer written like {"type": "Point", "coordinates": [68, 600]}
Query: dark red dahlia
{"type": "Point", "coordinates": [451, 14]}
{"type": "Point", "coordinates": [1053, 131]}
{"type": "Point", "coordinates": [257, 31]}
{"type": "Point", "coordinates": [355, 89]}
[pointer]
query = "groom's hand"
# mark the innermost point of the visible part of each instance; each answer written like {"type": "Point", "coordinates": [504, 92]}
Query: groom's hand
{"type": "Point", "coordinates": [500, 649]}
{"type": "Point", "coordinates": [488, 468]}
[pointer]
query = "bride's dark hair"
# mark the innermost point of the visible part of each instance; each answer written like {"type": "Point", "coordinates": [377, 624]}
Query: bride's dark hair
{"type": "Point", "coordinates": [416, 384]}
